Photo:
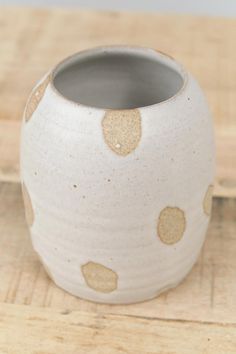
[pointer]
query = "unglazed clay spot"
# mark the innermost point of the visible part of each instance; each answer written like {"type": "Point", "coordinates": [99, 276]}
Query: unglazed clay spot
{"type": "Point", "coordinates": [122, 130]}
{"type": "Point", "coordinates": [29, 212]}
{"type": "Point", "coordinates": [99, 278]}
{"type": "Point", "coordinates": [171, 225]}
{"type": "Point", "coordinates": [207, 202]}
{"type": "Point", "coordinates": [35, 98]}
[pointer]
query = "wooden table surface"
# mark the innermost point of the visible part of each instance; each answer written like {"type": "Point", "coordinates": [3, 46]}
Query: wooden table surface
{"type": "Point", "coordinates": [37, 317]}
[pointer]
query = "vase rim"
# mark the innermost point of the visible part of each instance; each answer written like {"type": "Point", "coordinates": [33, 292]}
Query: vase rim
{"type": "Point", "coordinates": [161, 57]}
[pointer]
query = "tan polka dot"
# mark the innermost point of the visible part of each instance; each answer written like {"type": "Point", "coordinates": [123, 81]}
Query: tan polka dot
{"type": "Point", "coordinates": [99, 278]}
{"type": "Point", "coordinates": [35, 98]}
{"type": "Point", "coordinates": [207, 202]}
{"type": "Point", "coordinates": [122, 130]}
{"type": "Point", "coordinates": [29, 212]}
{"type": "Point", "coordinates": [171, 225]}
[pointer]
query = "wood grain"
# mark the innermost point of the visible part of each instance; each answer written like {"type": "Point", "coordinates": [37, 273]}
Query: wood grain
{"type": "Point", "coordinates": [33, 40]}
{"type": "Point", "coordinates": [9, 150]}
{"type": "Point", "coordinates": [32, 44]}
{"type": "Point", "coordinates": [46, 331]}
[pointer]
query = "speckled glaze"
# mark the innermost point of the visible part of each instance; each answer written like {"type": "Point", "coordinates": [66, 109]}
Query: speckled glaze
{"type": "Point", "coordinates": [117, 200]}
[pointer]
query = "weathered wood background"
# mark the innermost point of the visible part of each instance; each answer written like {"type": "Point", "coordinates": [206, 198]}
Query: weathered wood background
{"type": "Point", "coordinates": [37, 317]}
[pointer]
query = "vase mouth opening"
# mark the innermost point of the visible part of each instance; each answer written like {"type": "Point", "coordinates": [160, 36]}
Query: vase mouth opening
{"type": "Point", "coordinates": [119, 78]}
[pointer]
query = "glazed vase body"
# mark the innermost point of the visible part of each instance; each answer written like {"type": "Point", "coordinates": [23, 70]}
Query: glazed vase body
{"type": "Point", "coordinates": [117, 200]}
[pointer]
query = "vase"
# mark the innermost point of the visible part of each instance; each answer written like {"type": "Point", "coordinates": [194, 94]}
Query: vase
{"type": "Point", "coordinates": [117, 170]}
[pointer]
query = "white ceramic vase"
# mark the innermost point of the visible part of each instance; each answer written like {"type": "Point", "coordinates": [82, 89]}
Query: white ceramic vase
{"type": "Point", "coordinates": [117, 167]}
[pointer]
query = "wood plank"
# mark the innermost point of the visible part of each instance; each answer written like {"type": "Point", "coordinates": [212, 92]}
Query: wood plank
{"type": "Point", "coordinates": [205, 45]}
{"type": "Point", "coordinates": [225, 182]}
{"type": "Point", "coordinates": [31, 330]}
{"type": "Point", "coordinates": [207, 294]}
{"type": "Point", "coordinates": [9, 150]}
{"type": "Point", "coordinates": [33, 40]}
